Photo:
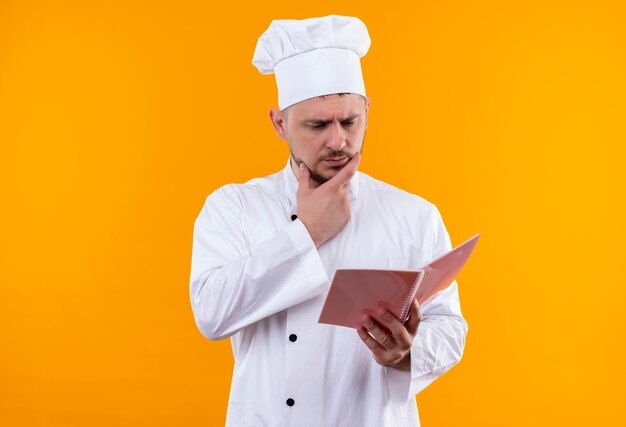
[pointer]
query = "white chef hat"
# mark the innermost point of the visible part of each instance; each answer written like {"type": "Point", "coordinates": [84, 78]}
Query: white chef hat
{"type": "Point", "coordinates": [313, 57]}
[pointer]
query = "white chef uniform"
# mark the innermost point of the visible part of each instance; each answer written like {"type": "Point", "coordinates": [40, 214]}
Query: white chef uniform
{"type": "Point", "coordinates": [258, 278]}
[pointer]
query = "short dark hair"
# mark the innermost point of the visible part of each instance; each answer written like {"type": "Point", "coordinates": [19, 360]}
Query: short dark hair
{"type": "Point", "coordinates": [340, 94]}
{"type": "Point", "coordinates": [324, 96]}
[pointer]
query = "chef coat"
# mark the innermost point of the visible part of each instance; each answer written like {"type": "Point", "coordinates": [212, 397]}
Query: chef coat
{"type": "Point", "coordinates": [257, 277]}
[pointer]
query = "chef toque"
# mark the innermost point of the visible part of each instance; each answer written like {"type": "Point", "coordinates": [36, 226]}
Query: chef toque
{"type": "Point", "coordinates": [313, 57]}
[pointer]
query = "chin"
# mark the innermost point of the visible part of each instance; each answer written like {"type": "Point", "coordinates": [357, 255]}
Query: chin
{"type": "Point", "coordinates": [321, 178]}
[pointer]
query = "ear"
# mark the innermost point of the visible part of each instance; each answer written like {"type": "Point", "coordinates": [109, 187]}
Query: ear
{"type": "Point", "coordinates": [279, 123]}
{"type": "Point", "coordinates": [367, 109]}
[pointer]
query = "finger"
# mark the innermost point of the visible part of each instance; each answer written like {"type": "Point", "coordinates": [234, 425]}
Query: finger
{"type": "Point", "coordinates": [304, 181]}
{"type": "Point", "coordinates": [380, 335]}
{"type": "Point", "coordinates": [346, 173]}
{"type": "Point", "coordinates": [370, 342]}
{"type": "Point", "coordinates": [415, 317]}
{"type": "Point", "coordinates": [398, 329]}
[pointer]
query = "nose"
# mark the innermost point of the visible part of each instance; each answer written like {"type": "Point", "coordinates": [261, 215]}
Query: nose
{"type": "Point", "coordinates": [336, 137]}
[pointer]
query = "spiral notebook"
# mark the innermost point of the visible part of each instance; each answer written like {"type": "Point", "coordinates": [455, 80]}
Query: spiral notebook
{"type": "Point", "coordinates": [355, 292]}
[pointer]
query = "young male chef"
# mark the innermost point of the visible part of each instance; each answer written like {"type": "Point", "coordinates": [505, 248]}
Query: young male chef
{"type": "Point", "coordinates": [264, 252]}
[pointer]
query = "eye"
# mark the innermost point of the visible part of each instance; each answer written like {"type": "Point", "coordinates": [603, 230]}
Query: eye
{"type": "Point", "coordinates": [347, 123]}
{"type": "Point", "coordinates": [317, 126]}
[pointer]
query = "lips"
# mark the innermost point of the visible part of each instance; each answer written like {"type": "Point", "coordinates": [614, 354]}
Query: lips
{"type": "Point", "coordinates": [335, 161]}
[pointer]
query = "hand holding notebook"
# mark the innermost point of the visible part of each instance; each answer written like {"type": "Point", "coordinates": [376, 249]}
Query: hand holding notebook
{"type": "Point", "coordinates": [355, 292]}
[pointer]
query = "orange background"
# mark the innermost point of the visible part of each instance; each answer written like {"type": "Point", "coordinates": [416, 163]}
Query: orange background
{"type": "Point", "coordinates": [118, 118]}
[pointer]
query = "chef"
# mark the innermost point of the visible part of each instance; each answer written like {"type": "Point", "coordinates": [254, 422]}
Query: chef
{"type": "Point", "coordinates": [265, 251]}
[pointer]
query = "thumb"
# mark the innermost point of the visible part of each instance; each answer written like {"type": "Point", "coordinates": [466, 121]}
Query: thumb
{"type": "Point", "coordinates": [304, 182]}
{"type": "Point", "coordinates": [415, 317]}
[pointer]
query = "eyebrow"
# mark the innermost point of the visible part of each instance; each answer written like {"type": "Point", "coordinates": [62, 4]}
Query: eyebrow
{"type": "Point", "coordinates": [323, 122]}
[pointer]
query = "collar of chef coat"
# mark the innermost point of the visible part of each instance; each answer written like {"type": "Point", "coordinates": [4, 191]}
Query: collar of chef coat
{"type": "Point", "coordinates": [290, 185]}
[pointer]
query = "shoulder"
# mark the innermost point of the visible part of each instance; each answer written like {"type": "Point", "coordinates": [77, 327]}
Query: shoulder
{"type": "Point", "coordinates": [419, 217]}
{"type": "Point", "coordinates": [229, 204]}
{"type": "Point", "coordinates": [239, 193]}
{"type": "Point", "coordinates": [383, 192]}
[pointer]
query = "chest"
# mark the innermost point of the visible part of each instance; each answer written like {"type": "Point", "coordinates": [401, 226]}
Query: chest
{"type": "Point", "coordinates": [378, 235]}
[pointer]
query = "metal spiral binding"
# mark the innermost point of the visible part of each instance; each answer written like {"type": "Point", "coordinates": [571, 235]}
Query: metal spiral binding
{"type": "Point", "coordinates": [404, 312]}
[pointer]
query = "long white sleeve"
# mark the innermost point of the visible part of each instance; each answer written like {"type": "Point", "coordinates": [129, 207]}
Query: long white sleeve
{"type": "Point", "coordinates": [440, 340]}
{"type": "Point", "coordinates": [233, 285]}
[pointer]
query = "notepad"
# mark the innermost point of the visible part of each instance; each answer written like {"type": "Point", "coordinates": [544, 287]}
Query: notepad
{"type": "Point", "coordinates": [355, 292]}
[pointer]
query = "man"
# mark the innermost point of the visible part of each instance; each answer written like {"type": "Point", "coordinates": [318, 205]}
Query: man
{"type": "Point", "coordinates": [264, 251]}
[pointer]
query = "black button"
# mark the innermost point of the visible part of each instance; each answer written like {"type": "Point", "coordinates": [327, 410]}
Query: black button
{"type": "Point", "coordinates": [293, 337]}
{"type": "Point", "coordinates": [294, 217]}
{"type": "Point", "coordinates": [290, 402]}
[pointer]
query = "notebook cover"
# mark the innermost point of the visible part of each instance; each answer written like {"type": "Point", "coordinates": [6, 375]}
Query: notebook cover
{"type": "Point", "coordinates": [355, 292]}
{"type": "Point", "coordinates": [441, 272]}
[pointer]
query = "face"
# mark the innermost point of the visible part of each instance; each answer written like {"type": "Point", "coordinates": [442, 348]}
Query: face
{"type": "Point", "coordinates": [324, 133]}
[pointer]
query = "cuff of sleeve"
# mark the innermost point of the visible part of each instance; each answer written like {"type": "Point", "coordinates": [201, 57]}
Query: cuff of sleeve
{"type": "Point", "coordinates": [421, 373]}
{"type": "Point", "coordinates": [404, 385]}
{"type": "Point", "coordinates": [426, 367]}
{"type": "Point", "coordinates": [399, 384]}
{"type": "Point", "coordinates": [312, 265]}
